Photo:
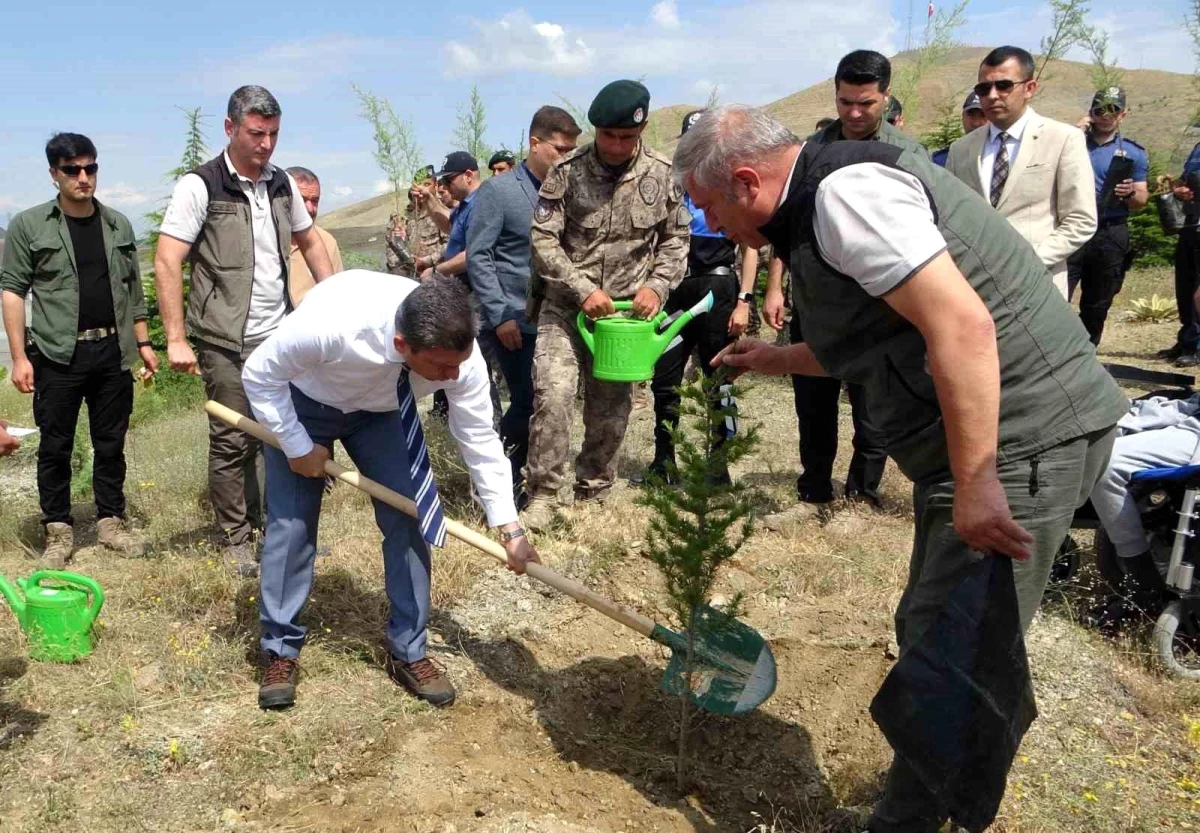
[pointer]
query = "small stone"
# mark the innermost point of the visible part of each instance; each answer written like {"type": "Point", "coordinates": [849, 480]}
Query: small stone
{"type": "Point", "coordinates": [338, 799]}
{"type": "Point", "coordinates": [573, 766]}
{"type": "Point", "coordinates": [230, 817]}
{"type": "Point", "coordinates": [480, 812]}
{"type": "Point", "coordinates": [524, 605]}
{"type": "Point", "coordinates": [892, 651]}
{"type": "Point", "coordinates": [272, 794]}
{"type": "Point", "coordinates": [750, 794]}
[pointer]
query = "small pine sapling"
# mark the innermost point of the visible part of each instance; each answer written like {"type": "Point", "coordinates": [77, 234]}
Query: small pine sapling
{"type": "Point", "coordinates": [700, 522]}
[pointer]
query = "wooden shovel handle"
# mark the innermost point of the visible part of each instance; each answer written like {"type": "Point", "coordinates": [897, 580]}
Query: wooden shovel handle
{"type": "Point", "coordinates": [574, 589]}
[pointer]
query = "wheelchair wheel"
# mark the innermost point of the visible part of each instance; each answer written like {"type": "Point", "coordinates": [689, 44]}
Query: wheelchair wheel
{"type": "Point", "coordinates": [1065, 568]}
{"type": "Point", "coordinates": [1107, 560]}
{"type": "Point", "coordinates": [1177, 640]}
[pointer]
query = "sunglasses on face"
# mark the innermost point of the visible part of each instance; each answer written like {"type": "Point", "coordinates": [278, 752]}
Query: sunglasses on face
{"type": "Point", "coordinates": [1004, 86]}
{"type": "Point", "coordinates": [1100, 112]}
{"type": "Point", "coordinates": [73, 170]}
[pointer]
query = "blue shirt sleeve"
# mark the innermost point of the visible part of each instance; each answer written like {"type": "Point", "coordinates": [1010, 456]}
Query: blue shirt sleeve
{"type": "Point", "coordinates": [1141, 166]}
{"type": "Point", "coordinates": [1193, 162]}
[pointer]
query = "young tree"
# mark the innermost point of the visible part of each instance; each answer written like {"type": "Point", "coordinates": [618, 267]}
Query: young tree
{"type": "Point", "coordinates": [1069, 19]}
{"type": "Point", "coordinates": [1105, 72]}
{"type": "Point", "coordinates": [195, 153]}
{"type": "Point", "coordinates": [948, 127]}
{"type": "Point", "coordinates": [938, 42]}
{"type": "Point", "coordinates": [471, 128]}
{"type": "Point", "coordinates": [580, 115]}
{"type": "Point", "coordinates": [699, 525]}
{"type": "Point", "coordinates": [396, 150]}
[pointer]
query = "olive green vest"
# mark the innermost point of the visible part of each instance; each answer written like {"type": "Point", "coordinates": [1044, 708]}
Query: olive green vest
{"type": "Point", "coordinates": [222, 257]}
{"type": "Point", "coordinates": [1052, 388]}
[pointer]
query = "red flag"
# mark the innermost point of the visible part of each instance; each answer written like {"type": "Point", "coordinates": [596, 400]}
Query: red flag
{"type": "Point", "coordinates": [930, 9]}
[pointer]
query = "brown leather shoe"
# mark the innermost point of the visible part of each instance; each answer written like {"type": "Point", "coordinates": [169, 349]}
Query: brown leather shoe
{"type": "Point", "coordinates": [423, 679]}
{"type": "Point", "coordinates": [278, 687]}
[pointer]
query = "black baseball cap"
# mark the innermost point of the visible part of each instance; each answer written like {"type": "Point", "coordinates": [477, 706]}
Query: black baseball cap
{"type": "Point", "coordinates": [456, 163]}
{"type": "Point", "coordinates": [894, 109]}
{"type": "Point", "coordinates": [690, 120]}
{"type": "Point", "coordinates": [1110, 97]}
{"type": "Point", "coordinates": [972, 102]}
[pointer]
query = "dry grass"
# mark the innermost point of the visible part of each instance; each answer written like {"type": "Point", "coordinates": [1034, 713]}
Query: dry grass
{"type": "Point", "coordinates": [158, 730]}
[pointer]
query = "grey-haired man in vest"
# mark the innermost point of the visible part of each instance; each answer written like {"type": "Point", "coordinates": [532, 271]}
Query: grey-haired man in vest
{"type": "Point", "coordinates": [234, 219]}
{"type": "Point", "coordinates": [983, 382]}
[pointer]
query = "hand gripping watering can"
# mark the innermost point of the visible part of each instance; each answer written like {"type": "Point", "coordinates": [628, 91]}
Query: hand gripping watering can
{"type": "Point", "coordinates": [56, 610]}
{"type": "Point", "coordinates": [626, 349]}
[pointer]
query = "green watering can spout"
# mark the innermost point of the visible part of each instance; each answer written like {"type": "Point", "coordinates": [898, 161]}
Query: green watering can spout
{"type": "Point", "coordinates": [626, 349]}
{"type": "Point", "coordinates": [15, 599]}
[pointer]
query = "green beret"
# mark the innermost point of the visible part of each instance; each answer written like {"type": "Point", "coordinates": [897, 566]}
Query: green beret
{"type": "Point", "coordinates": [620, 104]}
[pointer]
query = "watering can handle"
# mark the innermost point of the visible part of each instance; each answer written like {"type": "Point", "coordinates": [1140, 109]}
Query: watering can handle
{"type": "Point", "coordinates": [64, 577]}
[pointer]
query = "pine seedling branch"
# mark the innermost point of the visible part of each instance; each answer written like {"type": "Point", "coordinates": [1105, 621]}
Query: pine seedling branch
{"type": "Point", "coordinates": [701, 522]}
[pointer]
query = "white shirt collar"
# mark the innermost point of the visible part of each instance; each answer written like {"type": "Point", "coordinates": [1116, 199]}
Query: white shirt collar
{"type": "Point", "coordinates": [268, 170]}
{"type": "Point", "coordinates": [1016, 131]}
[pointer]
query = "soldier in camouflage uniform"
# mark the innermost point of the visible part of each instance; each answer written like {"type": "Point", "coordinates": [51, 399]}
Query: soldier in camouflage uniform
{"type": "Point", "coordinates": [425, 240]}
{"type": "Point", "coordinates": [609, 225]}
{"type": "Point", "coordinates": [400, 260]}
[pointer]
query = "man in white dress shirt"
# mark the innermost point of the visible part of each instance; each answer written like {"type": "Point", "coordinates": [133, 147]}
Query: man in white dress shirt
{"type": "Point", "coordinates": [1035, 171]}
{"type": "Point", "coordinates": [349, 365]}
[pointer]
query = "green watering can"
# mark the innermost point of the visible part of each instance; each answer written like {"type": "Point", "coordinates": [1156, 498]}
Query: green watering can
{"type": "Point", "coordinates": [626, 349]}
{"type": "Point", "coordinates": [56, 609]}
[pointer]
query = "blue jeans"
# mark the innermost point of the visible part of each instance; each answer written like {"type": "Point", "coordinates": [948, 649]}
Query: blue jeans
{"type": "Point", "coordinates": [517, 367]}
{"type": "Point", "coordinates": [375, 443]}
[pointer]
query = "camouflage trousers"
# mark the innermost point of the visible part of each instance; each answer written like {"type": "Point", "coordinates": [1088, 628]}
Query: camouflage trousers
{"type": "Point", "coordinates": [558, 359]}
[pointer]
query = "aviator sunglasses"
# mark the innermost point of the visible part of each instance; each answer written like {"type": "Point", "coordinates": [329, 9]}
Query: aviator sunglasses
{"type": "Point", "coordinates": [1004, 86]}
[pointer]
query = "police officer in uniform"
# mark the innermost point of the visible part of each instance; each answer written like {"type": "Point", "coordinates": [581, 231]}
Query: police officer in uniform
{"type": "Point", "coordinates": [973, 118]}
{"type": "Point", "coordinates": [609, 225]}
{"type": "Point", "coordinates": [1099, 267]}
{"type": "Point", "coordinates": [711, 267]}
{"type": "Point", "coordinates": [1187, 266]}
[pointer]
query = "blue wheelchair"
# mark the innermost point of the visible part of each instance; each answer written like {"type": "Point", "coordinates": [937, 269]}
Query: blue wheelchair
{"type": "Point", "coordinates": [1168, 500]}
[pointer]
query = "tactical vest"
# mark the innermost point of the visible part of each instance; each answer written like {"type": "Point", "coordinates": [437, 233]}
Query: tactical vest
{"type": "Point", "coordinates": [222, 257]}
{"type": "Point", "coordinates": [1052, 389]}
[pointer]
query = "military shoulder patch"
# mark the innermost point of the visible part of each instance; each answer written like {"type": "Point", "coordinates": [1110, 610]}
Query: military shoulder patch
{"type": "Point", "coordinates": [676, 192]}
{"type": "Point", "coordinates": [649, 188]}
{"type": "Point", "coordinates": [543, 210]}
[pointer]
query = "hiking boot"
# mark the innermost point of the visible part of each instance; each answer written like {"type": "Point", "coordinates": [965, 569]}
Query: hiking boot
{"type": "Point", "coordinates": [795, 515]}
{"type": "Point", "coordinates": [60, 544]}
{"type": "Point", "coordinates": [1170, 354]}
{"type": "Point", "coordinates": [591, 497]}
{"type": "Point", "coordinates": [423, 679]}
{"type": "Point", "coordinates": [242, 559]}
{"type": "Point", "coordinates": [1189, 359]}
{"type": "Point", "coordinates": [539, 514]}
{"type": "Point", "coordinates": [277, 690]}
{"type": "Point", "coordinates": [116, 535]}
{"type": "Point", "coordinates": [658, 470]}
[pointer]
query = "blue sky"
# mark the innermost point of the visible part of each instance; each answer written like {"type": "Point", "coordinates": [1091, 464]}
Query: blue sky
{"type": "Point", "coordinates": [116, 71]}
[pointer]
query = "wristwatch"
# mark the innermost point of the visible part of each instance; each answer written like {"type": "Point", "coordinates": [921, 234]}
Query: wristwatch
{"type": "Point", "coordinates": [748, 297]}
{"type": "Point", "coordinates": [512, 535]}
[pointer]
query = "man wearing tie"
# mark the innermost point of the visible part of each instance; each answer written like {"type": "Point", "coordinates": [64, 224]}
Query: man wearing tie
{"type": "Point", "coordinates": [350, 366]}
{"type": "Point", "coordinates": [1035, 171]}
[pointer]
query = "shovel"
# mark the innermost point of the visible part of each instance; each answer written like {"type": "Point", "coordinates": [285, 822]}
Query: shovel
{"type": "Point", "coordinates": [733, 669]}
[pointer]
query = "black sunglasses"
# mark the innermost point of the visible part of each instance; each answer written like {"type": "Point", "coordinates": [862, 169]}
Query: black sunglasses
{"type": "Point", "coordinates": [1098, 112]}
{"type": "Point", "coordinates": [73, 170]}
{"type": "Point", "coordinates": [1003, 86]}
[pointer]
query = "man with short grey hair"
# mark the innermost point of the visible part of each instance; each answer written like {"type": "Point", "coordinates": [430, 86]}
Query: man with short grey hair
{"type": "Point", "coordinates": [309, 187]}
{"type": "Point", "coordinates": [350, 365]}
{"type": "Point", "coordinates": [984, 384]}
{"type": "Point", "coordinates": [233, 219]}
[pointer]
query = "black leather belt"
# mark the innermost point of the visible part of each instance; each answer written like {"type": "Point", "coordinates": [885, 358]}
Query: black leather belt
{"type": "Point", "coordinates": [710, 272]}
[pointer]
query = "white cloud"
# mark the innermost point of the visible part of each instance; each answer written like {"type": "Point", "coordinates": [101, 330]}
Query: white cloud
{"type": "Point", "coordinates": [299, 65]}
{"type": "Point", "coordinates": [122, 194]}
{"type": "Point", "coordinates": [748, 65]}
{"type": "Point", "coordinates": [703, 88]}
{"type": "Point", "coordinates": [665, 14]}
{"type": "Point", "coordinates": [343, 191]}
{"type": "Point", "coordinates": [382, 186]}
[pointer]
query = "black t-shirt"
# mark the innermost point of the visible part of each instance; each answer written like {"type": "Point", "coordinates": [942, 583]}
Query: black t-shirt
{"type": "Point", "coordinates": [91, 261]}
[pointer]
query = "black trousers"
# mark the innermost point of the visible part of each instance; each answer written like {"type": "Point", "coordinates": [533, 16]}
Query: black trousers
{"type": "Point", "coordinates": [817, 414]}
{"type": "Point", "coordinates": [1099, 270]}
{"type": "Point", "coordinates": [517, 367]}
{"type": "Point", "coordinates": [707, 334]}
{"type": "Point", "coordinates": [94, 376]}
{"type": "Point", "coordinates": [1187, 278]}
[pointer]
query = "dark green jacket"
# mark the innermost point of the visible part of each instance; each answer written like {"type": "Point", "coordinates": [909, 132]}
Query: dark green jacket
{"type": "Point", "coordinates": [39, 256]}
{"type": "Point", "coordinates": [886, 134]}
{"type": "Point", "coordinates": [1052, 388]}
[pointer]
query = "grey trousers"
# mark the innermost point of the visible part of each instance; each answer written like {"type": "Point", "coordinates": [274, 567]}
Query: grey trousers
{"type": "Point", "coordinates": [1043, 493]}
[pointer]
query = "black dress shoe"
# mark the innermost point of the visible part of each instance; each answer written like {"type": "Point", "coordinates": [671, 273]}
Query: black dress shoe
{"type": "Point", "coordinates": [1170, 354]}
{"type": "Point", "coordinates": [1188, 360]}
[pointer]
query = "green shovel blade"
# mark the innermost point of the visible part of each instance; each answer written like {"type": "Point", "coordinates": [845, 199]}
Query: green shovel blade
{"type": "Point", "coordinates": [733, 667]}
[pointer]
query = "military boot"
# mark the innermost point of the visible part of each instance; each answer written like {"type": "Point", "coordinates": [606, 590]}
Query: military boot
{"type": "Point", "coordinates": [60, 544]}
{"type": "Point", "coordinates": [539, 514]}
{"type": "Point", "coordinates": [115, 534]}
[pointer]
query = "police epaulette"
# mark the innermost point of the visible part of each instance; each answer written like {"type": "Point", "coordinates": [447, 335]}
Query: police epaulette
{"type": "Point", "coordinates": [1129, 141]}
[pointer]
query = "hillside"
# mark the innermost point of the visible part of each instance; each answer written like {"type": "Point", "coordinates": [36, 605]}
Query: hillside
{"type": "Point", "coordinates": [1159, 106]}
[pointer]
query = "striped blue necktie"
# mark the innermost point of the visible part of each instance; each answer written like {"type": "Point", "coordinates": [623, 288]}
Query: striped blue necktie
{"type": "Point", "coordinates": [429, 504]}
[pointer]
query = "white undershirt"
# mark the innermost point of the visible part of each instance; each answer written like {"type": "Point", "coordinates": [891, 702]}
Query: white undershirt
{"type": "Point", "coordinates": [987, 159]}
{"type": "Point", "coordinates": [185, 217]}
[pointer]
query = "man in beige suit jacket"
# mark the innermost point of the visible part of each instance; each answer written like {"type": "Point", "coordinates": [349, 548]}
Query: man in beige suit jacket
{"type": "Point", "coordinates": [300, 279]}
{"type": "Point", "coordinates": [1039, 177]}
